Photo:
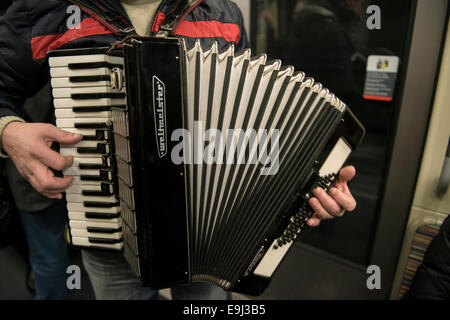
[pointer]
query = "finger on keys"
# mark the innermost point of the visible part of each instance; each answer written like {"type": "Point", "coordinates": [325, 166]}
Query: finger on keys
{"type": "Point", "coordinates": [327, 202]}
{"type": "Point", "coordinates": [319, 210]}
{"type": "Point", "coordinates": [55, 134]}
{"type": "Point", "coordinates": [53, 159]}
{"type": "Point", "coordinates": [344, 199]}
{"type": "Point", "coordinates": [45, 182]}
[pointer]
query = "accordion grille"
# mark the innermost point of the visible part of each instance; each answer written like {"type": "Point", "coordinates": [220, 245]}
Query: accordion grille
{"type": "Point", "coordinates": [282, 121]}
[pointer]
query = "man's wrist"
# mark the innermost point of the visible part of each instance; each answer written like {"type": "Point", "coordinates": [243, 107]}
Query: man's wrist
{"type": "Point", "coordinates": [4, 121]}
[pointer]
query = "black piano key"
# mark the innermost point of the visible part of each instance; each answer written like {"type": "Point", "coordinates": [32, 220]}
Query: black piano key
{"type": "Point", "coordinates": [91, 109]}
{"type": "Point", "coordinates": [103, 230]}
{"type": "Point", "coordinates": [105, 241]}
{"type": "Point", "coordinates": [92, 65]}
{"type": "Point", "coordinates": [98, 204]}
{"type": "Point", "coordinates": [106, 163]}
{"type": "Point", "coordinates": [102, 148]}
{"type": "Point", "coordinates": [105, 175]}
{"type": "Point", "coordinates": [89, 79]}
{"type": "Point", "coordinates": [96, 125]}
{"type": "Point", "coordinates": [101, 215]}
{"type": "Point", "coordinates": [111, 95]}
{"type": "Point", "coordinates": [101, 193]}
{"type": "Point", "coordinates": [91, 166]}
{"type": "Point", "coordinates": [96, 108]}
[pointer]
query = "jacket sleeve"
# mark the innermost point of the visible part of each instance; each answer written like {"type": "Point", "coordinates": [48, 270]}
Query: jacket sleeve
{"type": "Point", "coordinates": [20, 76]}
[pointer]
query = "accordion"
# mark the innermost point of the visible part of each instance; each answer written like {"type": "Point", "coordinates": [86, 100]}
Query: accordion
{"type": "Point", "coordinates": [196, 164]}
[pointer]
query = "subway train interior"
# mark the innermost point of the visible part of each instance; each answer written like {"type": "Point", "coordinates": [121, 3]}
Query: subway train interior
{"type": "Point", "coordinates": [389, 62]}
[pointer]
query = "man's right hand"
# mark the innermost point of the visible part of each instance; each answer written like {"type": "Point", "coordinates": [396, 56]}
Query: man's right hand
{"type": "Point", "coordinates": [28, 145]}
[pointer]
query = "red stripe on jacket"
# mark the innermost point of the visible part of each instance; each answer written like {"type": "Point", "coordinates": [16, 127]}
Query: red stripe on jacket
{"type": "Point", "coordinates": [202, 29]}
{"type": "Point", "coordinates": [88, 27]}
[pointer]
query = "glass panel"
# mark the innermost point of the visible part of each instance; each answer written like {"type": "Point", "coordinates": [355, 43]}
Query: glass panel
{"type": "Point", "coordinates": [330, 41]}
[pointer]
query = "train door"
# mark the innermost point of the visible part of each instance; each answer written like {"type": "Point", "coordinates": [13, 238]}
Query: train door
{"type": "Point", "coordinates": [382, 58]}
{"type": "Point", "coordinates": [431, 204]}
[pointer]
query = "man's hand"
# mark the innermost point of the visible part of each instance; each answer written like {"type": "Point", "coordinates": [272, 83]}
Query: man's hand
{"type": "Point", "coordinates": [336, 201]}
{"type": "Point", "coordinates": [28, 145]}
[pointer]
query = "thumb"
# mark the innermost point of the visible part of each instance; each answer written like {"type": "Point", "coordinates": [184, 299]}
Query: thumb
{"type": "Point", "coordinates": [62, 136]}
{"type": "Point", "coordinates": [346, 174]}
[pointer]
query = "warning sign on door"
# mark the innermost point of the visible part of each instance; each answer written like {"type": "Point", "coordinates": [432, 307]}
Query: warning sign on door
{"type": "Point", "coordinates": [381, 74]}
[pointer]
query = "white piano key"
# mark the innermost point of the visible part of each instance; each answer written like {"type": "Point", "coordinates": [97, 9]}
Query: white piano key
{"type": "Point", "coordinates": [87, 132]}
{"type": "Point", "coordinates": [65, 61]}
{"type": "Point", "coordinates": [76, 206]}
{"type": "Point", "coordinates": [80, 198]}
{"type": "Point", "coordinates": [64, 72]}
{"type": "Point", "coordinates": [67, 83]}
{"type": "Point", "coordinates": [75, 215]}
{"type": "Point", "coordinates": [77, 181]}
{"type": "Point", "coordinates": [84, 144]}
{"type": "Point", "coordinates": [85, 233]}
{"type": "Point", "coordinates": [80, 224]}
{"type": "Point", "coordinates": [88, 161]}
{"type": "Point", "coordinates": [70, 103]}
{"type": "Point", "coordinates": [84, 242]}
{"type": "Point", "coordinates": [105, 175]}
{"type": "Point", "coordinates": [75, 171]}
{"type": "Point", "coordinates": [95, 186]}
{"type": "Point", "coordinates": [69, 113]}
{"type": "Point", "coordinates": [68, 92]}
{"type": "Point", "coordinates": [73, 151]}
{"type": "Point", "coordinates": [65, 152]}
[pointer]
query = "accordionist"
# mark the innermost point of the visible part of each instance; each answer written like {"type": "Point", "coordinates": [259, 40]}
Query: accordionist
{"type": "Point", "coordinates": [22, 74]}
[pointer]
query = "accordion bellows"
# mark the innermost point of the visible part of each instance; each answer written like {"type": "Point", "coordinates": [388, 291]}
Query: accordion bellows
{"type": "Point", "coordinates": [203, 160]}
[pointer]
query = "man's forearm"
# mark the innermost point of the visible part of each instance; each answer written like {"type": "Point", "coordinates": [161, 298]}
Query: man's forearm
{"type": "Point", "coordinates": [4, 121]}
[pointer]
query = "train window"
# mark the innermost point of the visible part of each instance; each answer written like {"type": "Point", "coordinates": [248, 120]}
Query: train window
{"type": "Point", "coordinates": [331, 41]}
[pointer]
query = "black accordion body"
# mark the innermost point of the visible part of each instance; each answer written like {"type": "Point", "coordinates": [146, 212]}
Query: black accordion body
{"type": "Point", "coordinates": [196, 164]}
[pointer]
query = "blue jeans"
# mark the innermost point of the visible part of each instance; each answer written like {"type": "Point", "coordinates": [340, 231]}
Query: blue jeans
{"type": "Point", "coordinates": [112, 279]}
{"type": "Point", "coordinates": [48, 252]}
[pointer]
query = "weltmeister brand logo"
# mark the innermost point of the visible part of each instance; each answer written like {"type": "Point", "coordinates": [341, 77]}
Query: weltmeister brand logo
{"type": "Point", "coordinates": [159, 109]}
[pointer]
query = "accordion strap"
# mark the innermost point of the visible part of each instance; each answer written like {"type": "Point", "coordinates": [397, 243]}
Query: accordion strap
{"type": "Point", "coordinates": [120, 26]}
{"type": "Point", "coordinates": [181, 10]}
{"type": "Point", "coordinates": [110, 19]}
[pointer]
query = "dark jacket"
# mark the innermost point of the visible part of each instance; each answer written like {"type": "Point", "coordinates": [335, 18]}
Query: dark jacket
{"type": "Point", "coordinates": [432, 279]}
{"type": "Point", "coordinates": [30, 28]}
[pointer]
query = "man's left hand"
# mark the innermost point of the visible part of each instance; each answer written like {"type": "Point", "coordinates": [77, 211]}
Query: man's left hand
{"type": "Point", "coordinates": [336, 201]}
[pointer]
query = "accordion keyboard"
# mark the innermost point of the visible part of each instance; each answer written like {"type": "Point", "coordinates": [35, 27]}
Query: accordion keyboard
{"type": "Point", "coordinates": [83, 99]}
